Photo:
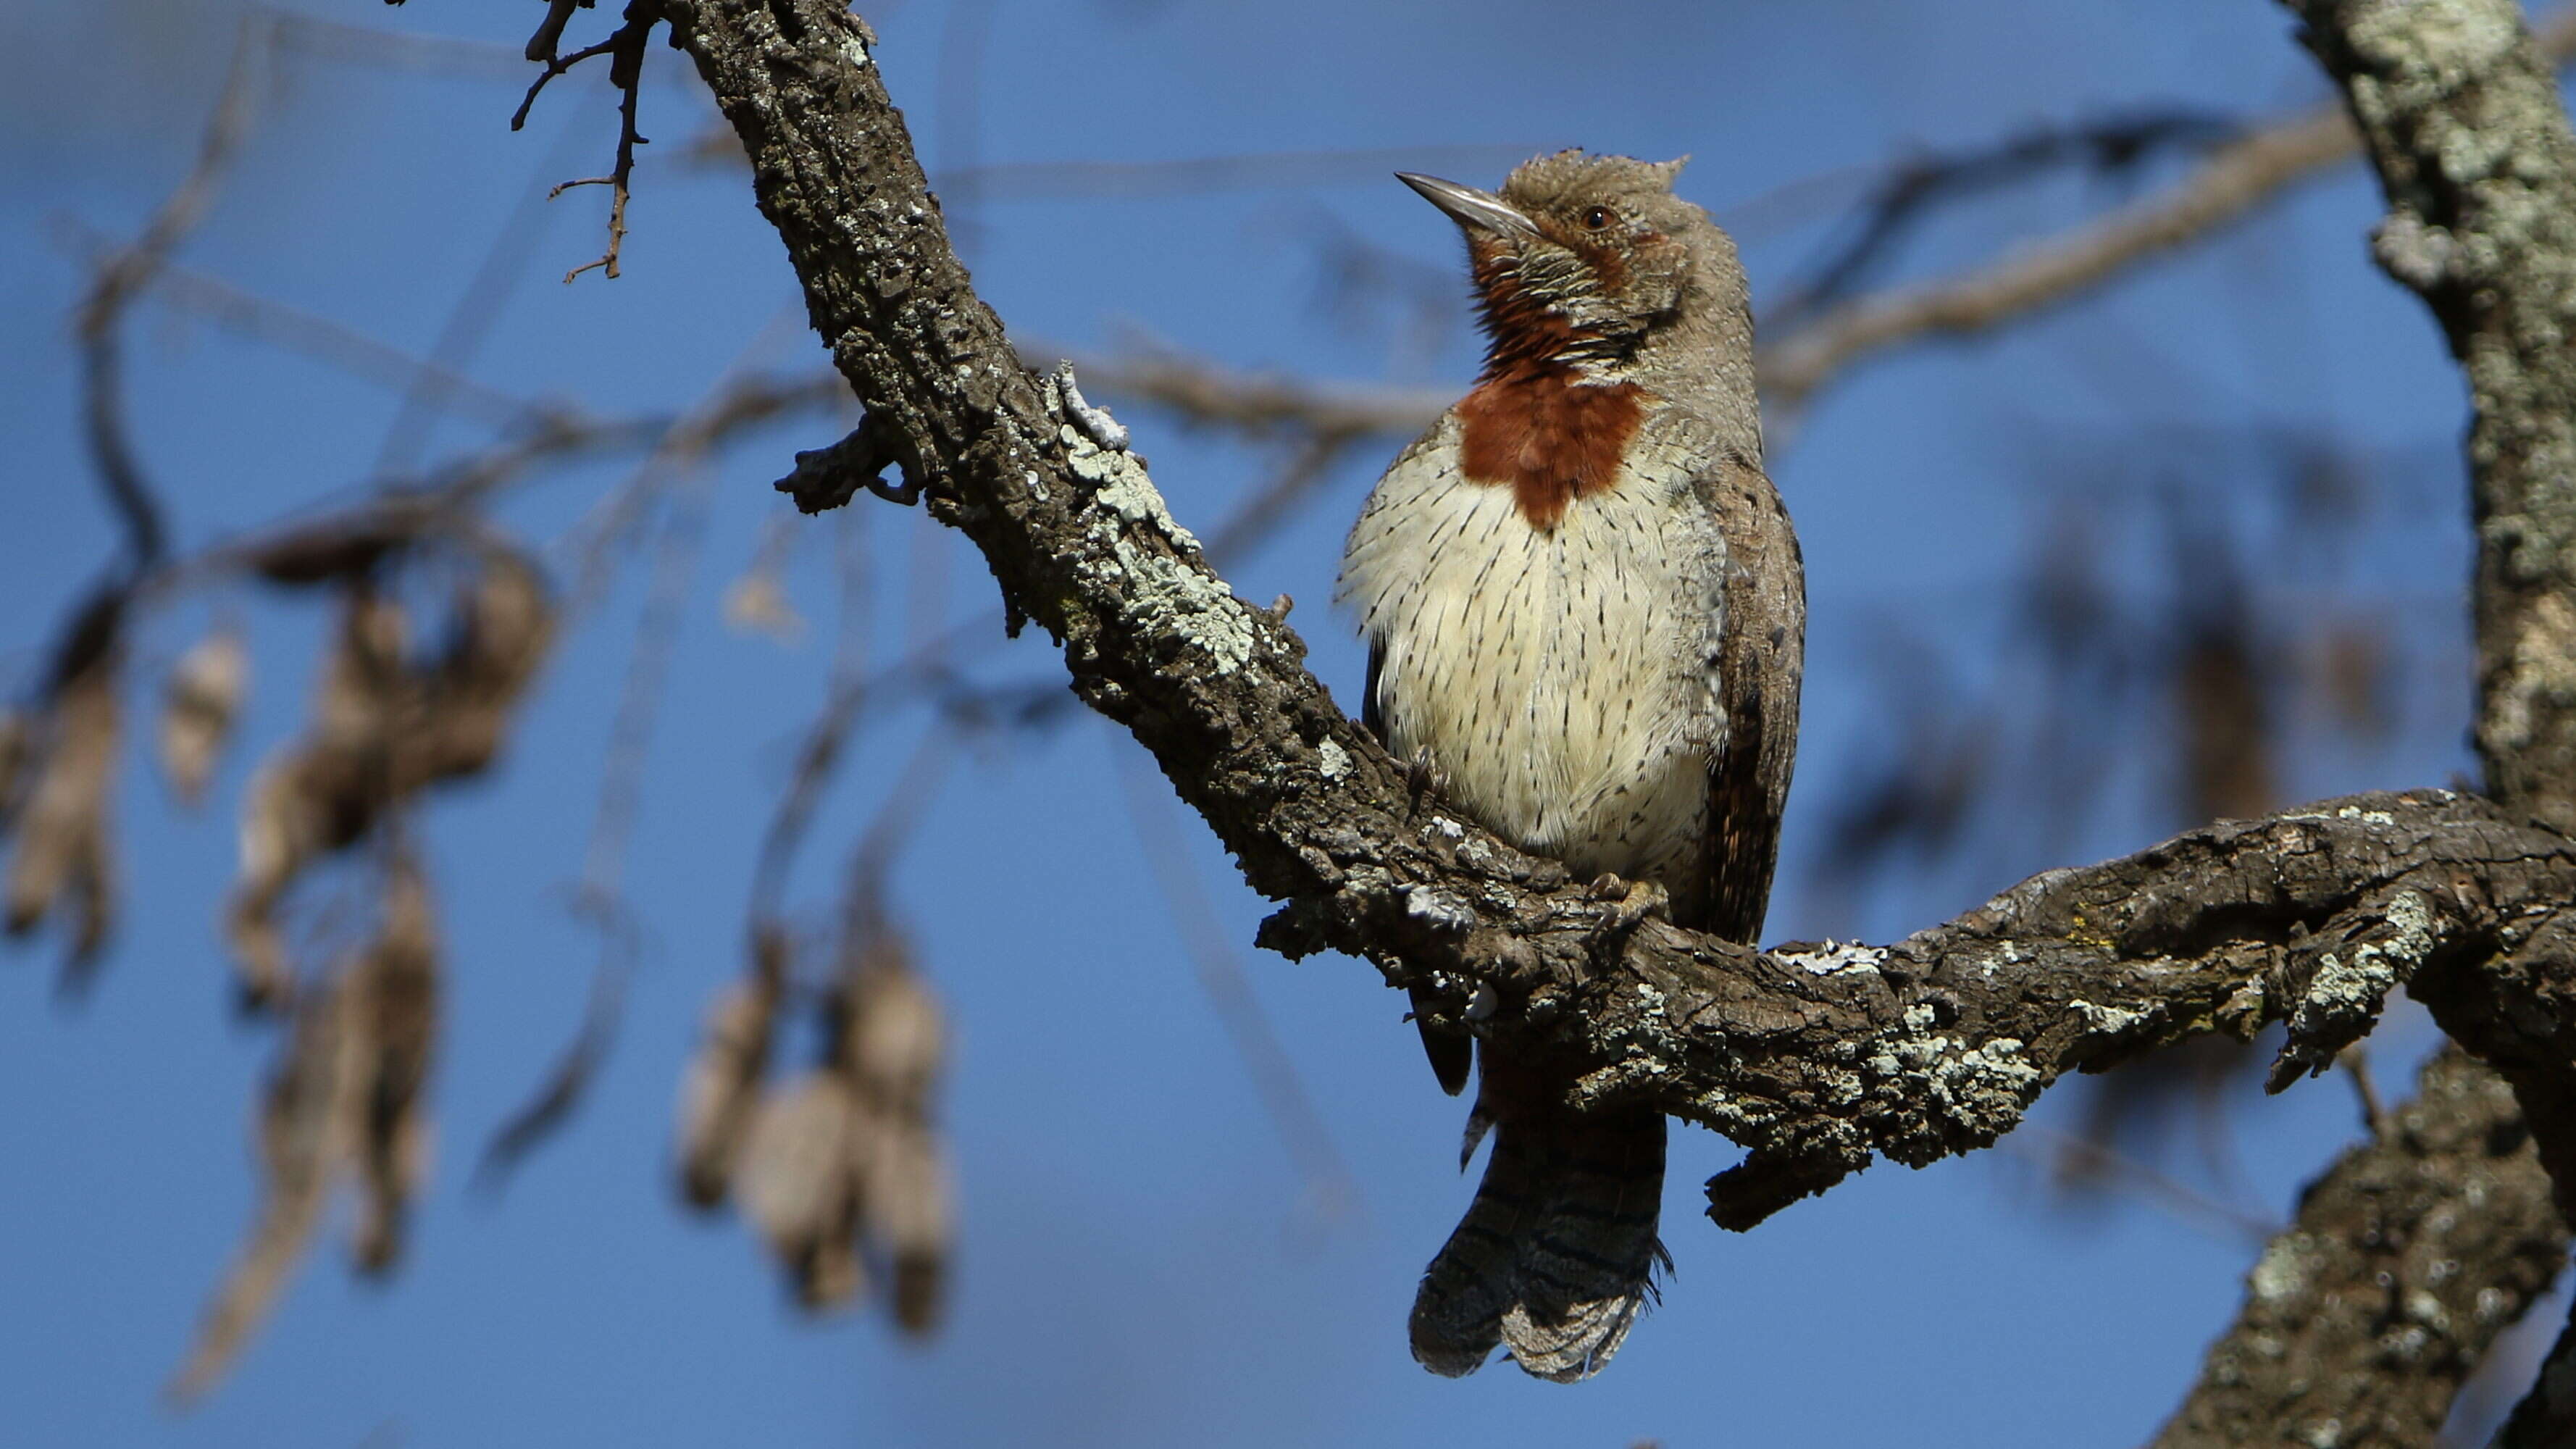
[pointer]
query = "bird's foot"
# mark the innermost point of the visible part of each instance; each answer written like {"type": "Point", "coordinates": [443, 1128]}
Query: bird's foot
{"type": "Point", "coordinates": [1424, 777]}
{"type": "Point", "coordinates": [1628, 903]}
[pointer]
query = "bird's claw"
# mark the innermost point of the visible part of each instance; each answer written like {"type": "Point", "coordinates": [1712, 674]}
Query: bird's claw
{"type": "Point", "coordinates": [1424, 777]}
{"type": "Point", "coordinates": [1627, 904]}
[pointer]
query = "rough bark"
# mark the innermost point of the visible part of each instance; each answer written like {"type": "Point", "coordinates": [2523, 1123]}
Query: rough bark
{"type": "Point", "coordinates": [2461, 117]}
{"type": "Point", "coordinates": [2408, 1258]}
{"type": "Point", "coordinates": [1817, 1057]}
{"type": "Point", "coordinates": [2462, 120]}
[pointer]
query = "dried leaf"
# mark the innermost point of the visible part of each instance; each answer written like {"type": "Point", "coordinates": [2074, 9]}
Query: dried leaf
{"type": "Point", "coordinates": [397, 989]}
{"type": "Point", "coordinates": [17, 752]}
{"type": "Point", "coordinates": [204, 694]}
{"type": "Point", "coordinates": [62, 857]}
{"type": "Point", "coordinates": [308, 1127]}
{"type": "Point", "coordinates": [284, 821]}
{"type": "Point", "coordinates": [721, 1087]}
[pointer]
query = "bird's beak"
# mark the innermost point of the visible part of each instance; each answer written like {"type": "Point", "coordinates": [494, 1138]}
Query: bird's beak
{"type": "Point", "coordinates": [1470, 208]}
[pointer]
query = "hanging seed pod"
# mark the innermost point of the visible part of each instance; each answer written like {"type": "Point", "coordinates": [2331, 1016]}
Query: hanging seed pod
{"type": "Point", "coordinates": [337, 551]}
{"type": "Point", "coordinates": [721, 1088]}
{"type": "Point", "coordinates": [892, 1053]}
{"type": "Point", "coordinates": [282, 826]}
{"type": "Point", "coordinates": [896, 1035]}
{"type": "Point", "coordinates": [204, 694]}
{"type": "Point", "coordinates": [796, 1187]}
{"type": "Point", "coordinates": [910, 1207]}
{"type": "Point", "coordinates": [891, 1042]}
{"type": "Point", "coordinates": [322, 793]}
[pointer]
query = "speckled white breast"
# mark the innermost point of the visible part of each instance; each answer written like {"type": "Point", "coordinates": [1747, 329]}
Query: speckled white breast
{"type": "Point", "coordinates": [1563, 681]}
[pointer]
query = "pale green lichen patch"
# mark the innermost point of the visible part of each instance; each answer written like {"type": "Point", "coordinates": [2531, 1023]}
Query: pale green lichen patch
{"type": "Point", "coordinates": [1986, 1088]}
{"type": "Point", "coordinates": [1332, 760]}
{"type": "Point", "coordinates": [2351, 984]}
{"type": "Point", "coordinates": [2107, 1021]}
{"type": "Point", "coordinates": [1167, 595]}
{"type": "Point", "coordinates": [2284, 1269]}
{"type": "Point", "coordinates": [2542, 675]}
{"type": "Point", "coordinates": [1833, 957]}
{"type": "Point", "coordinates": [1960, 1092]}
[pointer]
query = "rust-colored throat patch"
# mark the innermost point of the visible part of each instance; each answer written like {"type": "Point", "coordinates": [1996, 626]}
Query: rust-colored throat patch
{"type": "Point", "coordinates": [1554, 439]}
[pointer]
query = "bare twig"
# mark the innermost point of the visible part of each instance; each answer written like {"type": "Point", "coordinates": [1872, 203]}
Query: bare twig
{"type": "Point", "coordinates": [1910, 191]}
{"type": "Point", "coordinates": [309, 334]}
{"type": "Point", "coordinates": [2235, 179]}
{"type": "Point", "coordinates": [2162, 1189]}
{"type": "Point", "coordinates": [555, 65]}
{"type": "Point", "coordinates": [478, 308]}
{"type": "Point", "coordinates": [625, 49]}
{"type": "Point", "coordinates": [124, 275]}
{"type": "Point", "coordinates": [598, 896]}
{"type": "Point", "coordinates": [2355, 1062]}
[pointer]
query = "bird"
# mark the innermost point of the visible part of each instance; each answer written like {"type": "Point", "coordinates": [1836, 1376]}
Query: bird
{"type": "Point", "coordinates": [1585, 612]}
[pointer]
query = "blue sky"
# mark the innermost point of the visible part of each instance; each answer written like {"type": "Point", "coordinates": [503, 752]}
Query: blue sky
{"type": "Point", "coordinates": [1136, 1268]}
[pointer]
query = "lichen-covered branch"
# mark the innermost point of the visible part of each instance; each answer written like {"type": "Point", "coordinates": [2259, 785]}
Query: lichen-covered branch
{"type": "Point", "coordinates": [2461, 117]}
{"type": "Point", "coordinates": [2408, 1258]}
{"type": "Point", "coordinates": [1816, 1057]}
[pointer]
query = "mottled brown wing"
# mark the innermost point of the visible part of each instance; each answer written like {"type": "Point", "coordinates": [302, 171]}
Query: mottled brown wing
{"type": "Point", "coordinates": [1452, 1055]}
{"type": "Point", "coordinates": [1760, 660]}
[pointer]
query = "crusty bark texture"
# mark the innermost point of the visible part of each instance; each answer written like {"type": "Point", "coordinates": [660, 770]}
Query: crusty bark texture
{"type": "Point", "coordinates": [1816, 1057]}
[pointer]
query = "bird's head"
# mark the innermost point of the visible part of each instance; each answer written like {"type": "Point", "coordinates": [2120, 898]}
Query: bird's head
{"type": "Point", "coordinates": [1581, 259]}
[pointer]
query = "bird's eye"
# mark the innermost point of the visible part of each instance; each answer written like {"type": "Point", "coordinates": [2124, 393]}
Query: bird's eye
{"type": "Point", "coordinates": [1596, 218]}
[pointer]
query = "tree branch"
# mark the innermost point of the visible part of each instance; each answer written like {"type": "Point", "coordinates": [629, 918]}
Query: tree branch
{"type": "Point", "coordinates": [2461, 117]}
{"type": "Point", "coordinates": [2463, 122]}
{"type": "Point", "coordinates": [1816, 1057]}
{"type": "Point", "coordinates": [2408, 1259]}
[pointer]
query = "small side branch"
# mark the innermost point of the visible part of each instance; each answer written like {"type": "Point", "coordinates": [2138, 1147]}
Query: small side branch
{"type": "Point", "coordinates": [625, 51]}
{"type": "Point", "coordinates": [2236, 178]}
{"type": "Point", "coordinates": [124, 274]}
{"type": "Point", "coordinates": [827, 477]}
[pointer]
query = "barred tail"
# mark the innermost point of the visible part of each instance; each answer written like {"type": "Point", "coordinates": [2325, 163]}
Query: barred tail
{"type": "Point", "coordinates": [1557, 1254]}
